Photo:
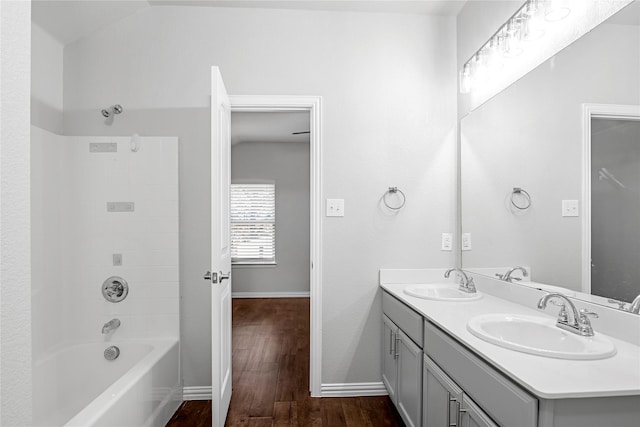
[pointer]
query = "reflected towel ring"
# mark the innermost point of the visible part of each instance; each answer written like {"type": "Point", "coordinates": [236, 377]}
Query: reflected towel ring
{"type": "Point", "coordinates": [526, 196]}
{"type": "Point", "coordinates": [394, 190]}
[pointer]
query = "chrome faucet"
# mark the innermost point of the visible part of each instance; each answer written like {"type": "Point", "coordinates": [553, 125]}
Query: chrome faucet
{"type": "Point", "coordinates": [634, 307]}
{"type": "Point", "coordinates": [110, 326]}
{"type": "Point", "coordinates": [579, 323]}
{"type": "Point", "coordinates": [507, 276]}
{"type": "Point", "coordinates": [467, 284]}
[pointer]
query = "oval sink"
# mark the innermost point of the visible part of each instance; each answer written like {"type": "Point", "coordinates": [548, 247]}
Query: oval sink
{"type": "Point", "coordinates": [539, 336]}
{"type": "Point", "coordinates": [441, 292]}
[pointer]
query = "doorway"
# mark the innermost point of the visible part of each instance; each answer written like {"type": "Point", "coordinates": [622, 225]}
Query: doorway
{"type": "Point", "coordinates": [612, 201]}
{"type": "Point", "coordinates": [310, 105]}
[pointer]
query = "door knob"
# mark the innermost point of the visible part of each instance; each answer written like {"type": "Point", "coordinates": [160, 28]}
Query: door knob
{"type": "Point", "coordinates": [224, 276]}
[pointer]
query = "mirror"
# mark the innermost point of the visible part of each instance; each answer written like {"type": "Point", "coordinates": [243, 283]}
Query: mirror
{"type": "Point", "coordinates": [543, 183]}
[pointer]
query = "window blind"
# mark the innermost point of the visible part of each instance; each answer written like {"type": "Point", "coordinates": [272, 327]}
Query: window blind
{"type": "Point", "coordinates": [253, 223]}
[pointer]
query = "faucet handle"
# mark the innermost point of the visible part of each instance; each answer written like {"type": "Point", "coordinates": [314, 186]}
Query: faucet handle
{"type": "Point", "coordinates": [563, 314]}
{"type": "Point", "coordinates": [584, 324]}
{"type": "Point", "coordinates": [499, 276]}
{"type": "Point", "coordinates": [584, 313]}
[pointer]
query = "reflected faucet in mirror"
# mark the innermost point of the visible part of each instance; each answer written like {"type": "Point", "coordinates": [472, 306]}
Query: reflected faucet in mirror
{"type": "Point", "coordinates": [634, 307]}
{"type": "Point", "coordinates": [507, 277]}
{"type": "Point", "coordinates": [466, 284]}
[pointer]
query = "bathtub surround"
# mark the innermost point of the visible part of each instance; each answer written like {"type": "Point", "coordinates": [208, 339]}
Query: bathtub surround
{"type": "Point", "coordinates": [388, 87]}
{"type": "Point", "coordinates": [75, 238]}
{"type": "Point", "coordinates": [286, 164]}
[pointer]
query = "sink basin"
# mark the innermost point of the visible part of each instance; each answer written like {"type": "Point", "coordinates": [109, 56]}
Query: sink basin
{"type": "Point", "coordinates": [441, 292]}
{"type": "Point", "coordinates": [539, 336]}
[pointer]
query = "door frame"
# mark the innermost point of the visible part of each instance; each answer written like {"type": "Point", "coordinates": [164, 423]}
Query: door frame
{"type": "Point", "coordinates": [595, 111]}
{"type": "Point", "coordinates": [312, 104]}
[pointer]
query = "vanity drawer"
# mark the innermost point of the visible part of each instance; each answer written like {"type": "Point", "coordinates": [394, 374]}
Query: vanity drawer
{"type": "Point", "coordinates": [502, 399]}
{"type": "Point", "coordinates": [405, 318]}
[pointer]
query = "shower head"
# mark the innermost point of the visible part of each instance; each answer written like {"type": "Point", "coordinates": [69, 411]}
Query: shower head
{"type": "Point", "coordinates": [114, 109]}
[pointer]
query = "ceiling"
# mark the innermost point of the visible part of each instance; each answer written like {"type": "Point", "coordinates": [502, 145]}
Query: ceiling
{"type": "Point", "coordinates": [70, 20]}
{"type": "Point", "coordinates": [269, 127]}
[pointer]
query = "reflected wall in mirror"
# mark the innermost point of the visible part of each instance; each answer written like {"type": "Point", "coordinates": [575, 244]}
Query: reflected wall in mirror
{"type": "Point", "coordinates": [532, 136]}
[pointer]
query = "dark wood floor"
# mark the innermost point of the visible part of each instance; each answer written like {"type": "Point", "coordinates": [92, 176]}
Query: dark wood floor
{"type": "Point", "coordinates": [271, 376]}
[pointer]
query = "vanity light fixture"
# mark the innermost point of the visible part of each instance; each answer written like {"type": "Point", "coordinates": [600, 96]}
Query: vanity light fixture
{"type": "Point", "coordinates": [526, 25]}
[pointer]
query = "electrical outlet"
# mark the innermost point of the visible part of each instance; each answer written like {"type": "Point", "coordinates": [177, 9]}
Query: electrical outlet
{"type": "Point", "coordinates": [447, 241]}
{"type": "Point", "coordinates": [466, 241]}
{"type": "Point", "coordinates": [335, 207]}
{"type": "Point", "coordinates": [570, 208]}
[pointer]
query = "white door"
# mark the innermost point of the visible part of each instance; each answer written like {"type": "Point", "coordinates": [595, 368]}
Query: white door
{"type": "Point", "coordinates": [220, 275]}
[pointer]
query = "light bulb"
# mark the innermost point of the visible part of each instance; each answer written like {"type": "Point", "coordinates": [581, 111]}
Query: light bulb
{"type": "Point", "coordinates": [533, 23]}
{"type": "Point", "coordinates": [512, 38]}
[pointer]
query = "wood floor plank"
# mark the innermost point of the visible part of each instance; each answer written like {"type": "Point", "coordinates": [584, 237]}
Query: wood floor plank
{"type": "Point", "coordinates": [271, 376]}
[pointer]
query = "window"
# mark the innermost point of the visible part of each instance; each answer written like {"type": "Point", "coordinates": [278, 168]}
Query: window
{"type": "Point", "coordinates": [253, 223]}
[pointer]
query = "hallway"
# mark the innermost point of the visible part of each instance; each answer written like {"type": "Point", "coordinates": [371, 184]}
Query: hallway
{"type": "Point", "coordinates": [271, 375]}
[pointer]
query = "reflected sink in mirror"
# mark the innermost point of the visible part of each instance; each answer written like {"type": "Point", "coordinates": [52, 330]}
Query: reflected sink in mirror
{"type": "Point", "coordinates": [441, 292]}
{"type": "Point", "coordinates": [540, 336]}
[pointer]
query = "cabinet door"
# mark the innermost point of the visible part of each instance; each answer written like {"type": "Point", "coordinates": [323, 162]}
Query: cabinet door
{"type": "Point", "coordinates": [473, 416]}
{"type": "Point", "coordinates": [389, 351]}
{"type": "Point", "coordinates": [441, 397]}
{"type": "Point", "coordinates": [409, 393]}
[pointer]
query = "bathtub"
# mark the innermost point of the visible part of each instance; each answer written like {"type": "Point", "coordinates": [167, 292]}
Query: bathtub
{"type": "Point", "coordinates": [77, 386]}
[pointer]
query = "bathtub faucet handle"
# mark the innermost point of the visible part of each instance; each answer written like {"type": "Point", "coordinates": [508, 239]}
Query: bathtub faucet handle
{"type": "Point", "coordinates": [110, 326]}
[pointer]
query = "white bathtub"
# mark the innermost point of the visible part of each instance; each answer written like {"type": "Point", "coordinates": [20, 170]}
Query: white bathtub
{"type": "Point", "coordinates": [77, 386]}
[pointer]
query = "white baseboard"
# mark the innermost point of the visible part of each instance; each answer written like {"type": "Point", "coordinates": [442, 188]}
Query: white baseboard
{"type": "Point", "coordinates": [269, 294]}
{"type": "Point", "coordinates": [197, 393]}
{"type": "Point", "coordinates": [327, 390]}
{"type": "Point", "coordinates": [353, 389]}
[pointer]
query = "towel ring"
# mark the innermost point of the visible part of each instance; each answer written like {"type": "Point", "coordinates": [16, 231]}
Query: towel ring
{"type": "Point", "coordinates": [394, 190]}
{"type": "Point", "coordinates": [526, 196]}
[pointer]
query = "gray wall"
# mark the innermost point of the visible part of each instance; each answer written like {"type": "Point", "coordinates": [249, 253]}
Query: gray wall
{"type": "Point", "coordinates": [389, 119]}
{"type": "Point", "coordinates": [286, 163]}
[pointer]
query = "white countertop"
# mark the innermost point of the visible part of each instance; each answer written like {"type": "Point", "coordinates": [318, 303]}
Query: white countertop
{"type": "Point", "coordinates": [546, 378]}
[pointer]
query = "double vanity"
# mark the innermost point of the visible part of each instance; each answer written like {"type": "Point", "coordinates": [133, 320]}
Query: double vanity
{"type": "Point", "coordinates": [488, 353]}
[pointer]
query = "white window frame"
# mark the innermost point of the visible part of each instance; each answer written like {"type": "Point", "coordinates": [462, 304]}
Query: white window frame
{"type": "Point", "coordinates": [270, 261]}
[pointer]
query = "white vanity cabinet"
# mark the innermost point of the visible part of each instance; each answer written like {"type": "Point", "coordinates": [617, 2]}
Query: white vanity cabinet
{"type": "Point", "coordinates": [402, 358]}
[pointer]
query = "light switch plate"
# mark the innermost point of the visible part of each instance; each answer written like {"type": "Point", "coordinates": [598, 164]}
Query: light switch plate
{"type": "Point", "coordinates": [570, 208]}
{"type": "Point", "coordinates": [447, 241]}
{"type": "Point", "coordinates": [466, 241]}
{"type": "Point", "coordinates": [335, 207]}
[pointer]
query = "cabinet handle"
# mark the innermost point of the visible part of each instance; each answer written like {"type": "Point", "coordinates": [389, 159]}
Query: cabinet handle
{"type": "Point", "coordinates": [390, 341]}
{"type": "Point", "coordinates": [396, 347]}
{"type": "Point", "coordinates": [455, 424]}
{"type": "Point", "coordinates": [460, 412]}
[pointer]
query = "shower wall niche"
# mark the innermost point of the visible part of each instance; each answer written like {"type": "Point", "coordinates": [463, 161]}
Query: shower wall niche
{"type": "Point", "coordinates": [78, 237]}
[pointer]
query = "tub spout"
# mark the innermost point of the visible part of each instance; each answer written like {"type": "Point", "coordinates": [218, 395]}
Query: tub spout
{"type": "Point", "coordinates": [110, 326]}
